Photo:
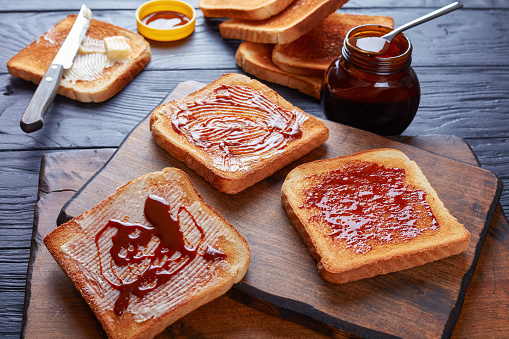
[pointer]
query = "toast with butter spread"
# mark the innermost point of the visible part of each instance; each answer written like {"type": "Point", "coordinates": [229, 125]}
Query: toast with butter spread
{"type": "Point", "coordinates": [312, 53]}
{"type": "Point", "coordinates": [235, 132]}
{"type": "Point", "coordinates": [246, 9]}
{"type": "Point", "coordinates": [256, 59]}
{"type": "Point", "coordinates": [100, 69]}
{"type": "Point", "coordinates": [369, 213]}
{"type": "Point", "coordinates": [149, 254]}
{"type": "Point", "coordinates": [297, 19]}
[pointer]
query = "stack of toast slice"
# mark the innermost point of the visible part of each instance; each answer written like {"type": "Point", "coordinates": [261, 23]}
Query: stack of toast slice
{"type": "Point", "coordinates": [289, 43]}
{"type": "Point", "coordinates": [297, 19]}
{"type": "Point", "coordinates": [302, 63]}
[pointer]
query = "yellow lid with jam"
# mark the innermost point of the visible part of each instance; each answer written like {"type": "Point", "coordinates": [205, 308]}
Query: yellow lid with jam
{"type": "Point", "coordinates": [165, 20]}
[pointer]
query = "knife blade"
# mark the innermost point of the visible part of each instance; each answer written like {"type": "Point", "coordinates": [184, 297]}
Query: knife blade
{"type": "Point", "coordinates": [32, 119]}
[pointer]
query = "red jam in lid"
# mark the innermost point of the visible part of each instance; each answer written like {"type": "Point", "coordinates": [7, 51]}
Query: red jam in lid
{"type": "Point", "coordinates": [153, 268]}
{"type": "Point", "coordinates": [366, 204]}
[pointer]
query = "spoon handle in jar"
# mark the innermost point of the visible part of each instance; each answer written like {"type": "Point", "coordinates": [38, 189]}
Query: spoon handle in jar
{"type": "Point", "coordinates": [427, 17]}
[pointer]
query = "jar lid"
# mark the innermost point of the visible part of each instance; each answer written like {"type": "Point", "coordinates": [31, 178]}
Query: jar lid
{"type": "Point", "coordinates": [172, 34]}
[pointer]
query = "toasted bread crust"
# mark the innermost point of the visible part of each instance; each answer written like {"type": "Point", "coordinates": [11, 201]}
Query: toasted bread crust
{"type": "Point", "coordinates": [313, 52]}
{"type": "Point", "coordinates": [338, 264]}
{"type": "Point", "coordinates": [32, 62]}
{"type": "Point", "coordinates": [245, 10]}
{"type": "Point", "coordinates": [296, 20]}
{"type": "Point", "coordinates": [256, 59]}
{"type": "Point", "coordinates": [314, 133]}
{"type": "Point", "coordinates": [230, 242]}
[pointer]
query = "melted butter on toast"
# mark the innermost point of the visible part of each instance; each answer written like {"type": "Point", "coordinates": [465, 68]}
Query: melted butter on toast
{"type": "Point", "coordinates": [91, 61]}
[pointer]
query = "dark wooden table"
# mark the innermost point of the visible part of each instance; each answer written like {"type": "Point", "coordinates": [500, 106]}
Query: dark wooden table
{"type": "Point", "coordinates": [461, 60]}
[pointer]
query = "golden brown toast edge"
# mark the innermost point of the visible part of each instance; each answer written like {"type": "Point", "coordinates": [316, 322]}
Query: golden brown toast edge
{"type": "Point", "coordinates": [282, 28]}
{"type": "Point", "coordinates": [234, 9]}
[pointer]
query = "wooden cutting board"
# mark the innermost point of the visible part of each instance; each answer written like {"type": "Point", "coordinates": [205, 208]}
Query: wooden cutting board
{"type": "Point", "coordinates": [50, 295]}
{"type": "Point", "coordinates": [420, 302]}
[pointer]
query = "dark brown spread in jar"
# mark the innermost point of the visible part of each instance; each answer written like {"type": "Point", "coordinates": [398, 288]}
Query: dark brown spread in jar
{"type": "Point", "coordinates": [365, 204]}
{"type": "Point", "coordinates": [145, 257]}
{"type": "Point", "coordinates": [379, 93]}
{"type": "Point", "coordinates": [236, 126]}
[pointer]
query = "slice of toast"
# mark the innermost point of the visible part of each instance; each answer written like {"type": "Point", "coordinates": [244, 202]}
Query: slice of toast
{"type": "Point", "coordinates": [369, 213]}
{"type": "Point", "coordinates": [297, 19]}
{"type": "Point", "coordinates": [103, 79]}
{"type": "Point", "coordinates": [235, 132]}
{"type": "Point", "coordinates": [313, 52]}
{"type": "Point", "coordinates": [149, 254]}
{"type": "Point", "coordinates": [245, 10]}
{"type": "Point", "coordinates": [256, 59]}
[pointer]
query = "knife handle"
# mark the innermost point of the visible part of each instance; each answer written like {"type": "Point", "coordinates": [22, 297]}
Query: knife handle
{"type": "Point", "coordinates": [43, 96]}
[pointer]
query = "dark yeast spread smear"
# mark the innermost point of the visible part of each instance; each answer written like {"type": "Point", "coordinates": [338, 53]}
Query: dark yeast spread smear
{"type": "Point", "coordinates": [155, 268]}
{"type": "Point", "coordinates": [367, 204]}
{"type": "Point", "coordinates": [236, 121]}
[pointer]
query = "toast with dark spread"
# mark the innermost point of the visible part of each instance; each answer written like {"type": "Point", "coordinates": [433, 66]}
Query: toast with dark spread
{"type": "Point", "coordinates": [369, 213]}
{"type": "Point", "coordinates": [235, 132]}
{"type": "Point", "coordinates": [149, 254]}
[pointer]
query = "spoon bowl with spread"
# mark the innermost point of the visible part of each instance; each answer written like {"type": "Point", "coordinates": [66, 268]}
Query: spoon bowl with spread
{"type": "Point", "coordinates": [379, 45]}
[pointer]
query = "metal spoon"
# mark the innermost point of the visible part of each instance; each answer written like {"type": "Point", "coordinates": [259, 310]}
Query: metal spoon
{"type": "Point", "coordinates": [422, 19]}
{"type": "Point", "coordinates": [380, 45]}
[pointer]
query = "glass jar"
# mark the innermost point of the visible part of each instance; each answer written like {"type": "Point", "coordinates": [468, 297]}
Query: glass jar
{"type": "Point", "coordinates": [377, 93]}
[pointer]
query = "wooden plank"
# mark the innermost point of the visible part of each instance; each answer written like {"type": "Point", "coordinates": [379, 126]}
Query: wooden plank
{"type": "Point", "coordinates": [442, 43]}
{"type": "Point", "coordinates": [226, 317]}
{"type": "Point", "coordinates": [276, 248]}
{"type": "Point", "coordinates": [492, 155]}
{"type": "Point", "coordinates": [451, 104]}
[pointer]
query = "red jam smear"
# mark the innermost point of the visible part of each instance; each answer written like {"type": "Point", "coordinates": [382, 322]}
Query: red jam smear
{"type": "Point", "coordinates": [366, 204]}
{"type": "Point", "coordinates": [236, 121]}
{"type": "Point", "coordinates": [153, 269]}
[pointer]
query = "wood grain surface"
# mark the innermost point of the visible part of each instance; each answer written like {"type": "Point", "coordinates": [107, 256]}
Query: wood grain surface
{"type": "Point", "coordinates": [282, 272]}
{"type": "Point", "coordinates": [226, 317]}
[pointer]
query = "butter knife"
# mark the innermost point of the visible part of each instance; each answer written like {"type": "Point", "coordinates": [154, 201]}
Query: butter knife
{"type": "Point", "coordinates": [47, 89]}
